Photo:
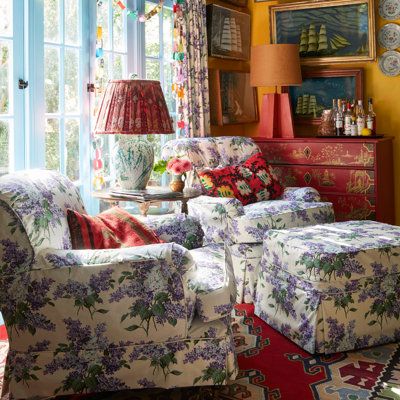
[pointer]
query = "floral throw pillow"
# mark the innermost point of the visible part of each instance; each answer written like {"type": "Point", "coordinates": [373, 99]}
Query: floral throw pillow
{"type": "Point", "coordinates": [249, 182]}
{"type": "Point", "coordinates": [111, 229]}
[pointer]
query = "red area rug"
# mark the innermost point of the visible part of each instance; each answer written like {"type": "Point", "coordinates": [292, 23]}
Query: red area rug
{"type": "Point", "coordinates": [273, 368]}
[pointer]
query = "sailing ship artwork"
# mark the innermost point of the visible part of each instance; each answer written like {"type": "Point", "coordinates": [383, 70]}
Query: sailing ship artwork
{"type": "Point", "coordinates": [228, 33]}
{"type": "Point", "coordinates": [326, 30]}
{"type": "Point", "coordinates": [316, 94]}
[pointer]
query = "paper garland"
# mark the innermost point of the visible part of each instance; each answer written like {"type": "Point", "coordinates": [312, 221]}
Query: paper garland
{"type": "Point", "coordinates": [178, 87]}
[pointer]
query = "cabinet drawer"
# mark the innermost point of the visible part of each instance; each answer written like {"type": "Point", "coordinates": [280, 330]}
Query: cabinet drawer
{"type": "Point", "coordinates": [319, 153]}
{"type": "Point", "coordinates": [328, 180]}
{"type": "Point", "coordinates": [349, 208]}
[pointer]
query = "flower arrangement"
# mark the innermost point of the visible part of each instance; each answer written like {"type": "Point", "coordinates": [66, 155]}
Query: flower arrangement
{"type": "Point", "coordinates": [174, 166]}
{"type": "Point", "coordinates": [178, 166]}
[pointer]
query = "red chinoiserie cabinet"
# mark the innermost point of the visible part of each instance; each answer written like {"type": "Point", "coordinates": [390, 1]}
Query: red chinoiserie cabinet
{"type": "Point", "coordinates": [355, 174]}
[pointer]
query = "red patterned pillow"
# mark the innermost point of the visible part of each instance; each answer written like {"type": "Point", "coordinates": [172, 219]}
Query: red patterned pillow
{"type": "Point", "coordinates": [111, 229]}
{"type": "Point", "coordinates": [249, 182]}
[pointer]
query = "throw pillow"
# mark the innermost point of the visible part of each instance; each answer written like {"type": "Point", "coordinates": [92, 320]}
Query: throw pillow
{"type": "Point", "coordinates": [111, 229]}
{"type": "Point", "coordinates": [249, 182]}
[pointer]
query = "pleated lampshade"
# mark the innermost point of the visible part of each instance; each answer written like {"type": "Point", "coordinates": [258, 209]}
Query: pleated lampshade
{"type": "Point", "coordinates": [133, 107]}
{"type": "Point", "coordinates": [275, 65]}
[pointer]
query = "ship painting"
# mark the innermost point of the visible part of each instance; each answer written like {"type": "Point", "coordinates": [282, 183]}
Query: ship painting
{"type": "Point", "coordinates": [315, 42]}
{"type": "Point", "coordinates": [325, 29]}
{"type": "Point", "coordinates": [231, 36]}
{"type": "Point", "coordinates": [307, 106]}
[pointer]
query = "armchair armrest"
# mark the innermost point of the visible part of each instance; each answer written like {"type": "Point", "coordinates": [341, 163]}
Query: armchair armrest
{"type": "Point", "coordinates": [177, 228]}
{"type": "Point", "coordinates": [137, 295]}
{"type": "Point", "coordinates": [214, 214]}
{"type": "Point", "coordinates": [306, 194]}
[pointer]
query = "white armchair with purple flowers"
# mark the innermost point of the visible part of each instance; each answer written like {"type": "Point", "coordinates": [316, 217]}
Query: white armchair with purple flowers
{"type": "Point", "coordinates": [242, 227]}
{"type": "Point", "coordinates": [82, 321]}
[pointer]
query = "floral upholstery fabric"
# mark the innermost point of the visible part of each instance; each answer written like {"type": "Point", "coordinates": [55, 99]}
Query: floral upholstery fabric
{"type": "Point", "coordinates": [100, 320]}
{"type": "Point", "coordinates": [177, 228]}
{"type": "Point", "coordinates": [333, 287]}
{"type": "Point", "coordinates": [227, 220]}
{"type": "Point", "coordinates": [40, 200]}
{"type": "Point", "coordinates": [276, 214]}
{"type": "Point", "coordinates": [210, 153]}
{"type": "Point", "coordinates": [213, 281]}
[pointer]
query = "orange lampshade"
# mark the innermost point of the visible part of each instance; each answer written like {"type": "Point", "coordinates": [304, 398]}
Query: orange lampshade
{"type": "Point", "coordinates": [275, 65]}
{"type": "Point", "coordinates": [133, 107]}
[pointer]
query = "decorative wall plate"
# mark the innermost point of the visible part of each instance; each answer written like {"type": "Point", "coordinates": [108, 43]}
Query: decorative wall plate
{"type": "Point", "coordinates": [389, 63]}
{"type": "Point", "coordinates": [389, 9]}
{"type": "Point", "coordinates": [389, 36]}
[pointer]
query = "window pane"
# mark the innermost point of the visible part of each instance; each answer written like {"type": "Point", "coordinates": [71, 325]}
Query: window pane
{"type": "Point", "coordinates": [4, 147]}
{"type": "Point", "coordinates": [152, 70]}
{"type": "Point", "coordinates": [118, 28]}
{"type": "Point", "coordinates": [119, 67]}
{"type": "Point", "coordinates": [71, 21]}
{"type": "Point", "coordinates": [52, 21]}
{"type": "Point", "coordinates": [168, 26]}
{"type": "Point", "coordinates": [52, 144]}
{"type": "Point", "coordinates": [102, 20]}
{"type": "Point", "coordinates": [169, 98]}
{"type": "Point", "coordinates": [6, 17]}
{"type": "Point", "coordinates": [71, 76]}
{"type": "Point", "coordinates": [152, 32]}
{"type": "Point", "coordinates": [51, 79]}
{"type": "Point", "coordinates": [5, 76]}
{"type": "Point", "coordinates": [72, 146]}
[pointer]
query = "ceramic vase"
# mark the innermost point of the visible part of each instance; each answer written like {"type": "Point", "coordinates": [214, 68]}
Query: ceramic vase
{"type": "Point", "coordinates": [133, 159]}
{"type": "Point", "coordinates": [177, 184]}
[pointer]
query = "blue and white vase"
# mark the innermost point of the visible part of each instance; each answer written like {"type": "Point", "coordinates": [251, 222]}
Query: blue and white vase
{"type": "Point", "coordinates": [133, 161]}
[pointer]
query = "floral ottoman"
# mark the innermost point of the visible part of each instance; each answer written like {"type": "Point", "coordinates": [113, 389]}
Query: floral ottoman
{"type": "Point", "coordinates": [333, 287]}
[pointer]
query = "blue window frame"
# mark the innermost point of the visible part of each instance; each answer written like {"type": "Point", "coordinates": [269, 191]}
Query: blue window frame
{"type": "Point", "coordinates": [52, 45]}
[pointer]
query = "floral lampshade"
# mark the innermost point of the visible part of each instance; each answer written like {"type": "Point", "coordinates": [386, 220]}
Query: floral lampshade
{"type": "Point", "coordinates": [133, 107]}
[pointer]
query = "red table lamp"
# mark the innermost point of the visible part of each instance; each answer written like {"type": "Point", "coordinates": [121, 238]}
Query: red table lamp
{"type": "Point", "coordinates": [276, 65]}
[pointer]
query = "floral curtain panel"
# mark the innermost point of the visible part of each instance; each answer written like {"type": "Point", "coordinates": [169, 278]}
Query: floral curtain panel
{"type": "Point", "coordinates": [191, 68]}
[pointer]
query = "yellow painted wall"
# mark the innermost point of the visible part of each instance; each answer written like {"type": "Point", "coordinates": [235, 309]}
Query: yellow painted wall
{"type": "Point", "coordinates": [384, 90]}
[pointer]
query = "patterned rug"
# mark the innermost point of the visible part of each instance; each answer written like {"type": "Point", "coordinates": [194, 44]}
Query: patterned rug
{"type": "Point", "coordinates": [273, 368]}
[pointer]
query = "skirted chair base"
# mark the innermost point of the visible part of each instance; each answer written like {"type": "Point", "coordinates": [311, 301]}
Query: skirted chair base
{"type": "Point", "coordinates": [334, 287]}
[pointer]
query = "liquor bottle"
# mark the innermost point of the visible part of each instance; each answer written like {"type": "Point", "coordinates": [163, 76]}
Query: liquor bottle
{"type": "Point", "coordinates": [371, 117]}
{"type": "Point", "coordinates": [354, 128]}
{"type": "Point", "coordinates": [347, 120]}
{"type": "Point", "coordinates": [339, 119]}
{"type": "Point", "coordinates": [360, 117]}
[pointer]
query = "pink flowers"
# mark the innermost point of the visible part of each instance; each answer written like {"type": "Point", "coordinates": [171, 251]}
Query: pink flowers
{"type": "Point", "coordinates": [178, 166]}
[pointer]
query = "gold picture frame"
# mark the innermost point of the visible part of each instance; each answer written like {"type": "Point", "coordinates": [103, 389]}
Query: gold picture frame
{"type": "Point", "coordinates": [331, 19]}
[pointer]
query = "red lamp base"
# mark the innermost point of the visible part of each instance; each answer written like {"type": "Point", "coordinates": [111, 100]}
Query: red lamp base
{"type": "Point", "coordinates": [276, 116]}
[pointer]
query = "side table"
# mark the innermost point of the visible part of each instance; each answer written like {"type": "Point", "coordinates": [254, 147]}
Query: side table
{"type": "Point", "coordinates": [144, 205]}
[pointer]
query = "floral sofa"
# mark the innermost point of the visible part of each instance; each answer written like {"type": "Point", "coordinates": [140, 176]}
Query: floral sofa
{"type": "Point", "coordinates": [103, 320]}
{"type": "Point", "coordinates": [242, 227]}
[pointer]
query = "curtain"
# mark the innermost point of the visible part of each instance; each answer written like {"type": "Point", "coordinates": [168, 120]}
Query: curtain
{"type": "Point", "coordinates": [191, 68]}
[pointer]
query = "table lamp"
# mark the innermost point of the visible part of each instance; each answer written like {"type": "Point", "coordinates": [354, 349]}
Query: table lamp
{"type": "Point", "coordinates": [275, 65]}
{"type": "Point", "coordinates": [130, 109]}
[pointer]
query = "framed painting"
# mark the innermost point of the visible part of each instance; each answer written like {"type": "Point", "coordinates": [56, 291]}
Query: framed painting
{"type": "Point", "coordinates": [319, 88]}
{"type": "Point", "coordinates": [332, 31]}
{"type": "Point", "coordinates": [232, 99]}
{"type": "Point", "coordinates": [228, 33]}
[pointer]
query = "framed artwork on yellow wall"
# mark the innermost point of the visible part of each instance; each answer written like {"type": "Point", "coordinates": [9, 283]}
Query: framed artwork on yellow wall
{"type": "Point", "coordinates": [328, 32]}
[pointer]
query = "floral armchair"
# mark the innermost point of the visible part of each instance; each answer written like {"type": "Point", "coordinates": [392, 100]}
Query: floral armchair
{"type": "Point", "coordinates": [242, 227]}
{"type": "Point", "coordinates": [103, 320]}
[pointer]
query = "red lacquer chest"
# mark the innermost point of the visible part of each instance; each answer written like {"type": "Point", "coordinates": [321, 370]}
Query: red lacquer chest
{"type": "Point", "coordinates": [356, 175]}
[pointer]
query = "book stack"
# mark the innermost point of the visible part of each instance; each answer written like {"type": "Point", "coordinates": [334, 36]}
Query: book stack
{"type": "Point", "coordinates": [147, 194]}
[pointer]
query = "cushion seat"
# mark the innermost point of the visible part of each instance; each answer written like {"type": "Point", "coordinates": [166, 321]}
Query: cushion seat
{"type": "Point", "coordinates": [332, 287]}
{"type": "Point", "coordinates": [213, 283]}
